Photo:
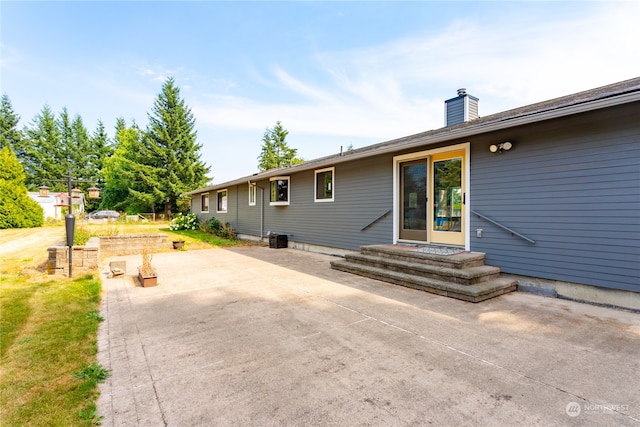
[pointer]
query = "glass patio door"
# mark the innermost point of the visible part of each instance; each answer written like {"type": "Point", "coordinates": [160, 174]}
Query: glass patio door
{"type": "Point", "coordinates": [413, 200]}
{"type": "Point", "coordinates": [447, 198]}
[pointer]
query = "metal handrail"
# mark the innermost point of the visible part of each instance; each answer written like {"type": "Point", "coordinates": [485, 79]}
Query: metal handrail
{"type": "Point", "coordinates": [514, 233]}
{"type": "Point", "coordinates": [384, 215]}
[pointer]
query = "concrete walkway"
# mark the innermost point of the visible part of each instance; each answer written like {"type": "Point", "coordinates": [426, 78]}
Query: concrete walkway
{"type": "Point", "coordinates": [253, 336]}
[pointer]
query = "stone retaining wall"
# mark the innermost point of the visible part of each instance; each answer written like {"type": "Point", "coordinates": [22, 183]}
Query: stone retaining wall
{"type": "Point", "coordinates": [87, 258]}
{"type": "Point", "coordinates": [84, 258]}
{"type": "Point", "coordinates": [131, 244]}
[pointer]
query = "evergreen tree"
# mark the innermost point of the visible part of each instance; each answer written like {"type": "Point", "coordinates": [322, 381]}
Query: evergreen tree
{"type": "Point", "coordinates": [17, 209]}
{"type": "Point", "coordinates": [275, 152]}
{"type": "Point", "coordinates": [50, 146]}
{"type": "Point", "coordinates": [42, 153]}
{"type": "Point", "coordinates": [129, 183]}
{"type": "Point", "coordinates": [171, 152]}
{"type": "Point", "coordinates": [100, 148]}
{"type": "Point", "coordinates": [9, 133]}
{"type": "Point", "coordinates": [76, 150]}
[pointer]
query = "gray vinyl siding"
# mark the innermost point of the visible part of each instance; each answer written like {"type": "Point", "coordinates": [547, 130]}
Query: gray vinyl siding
{"type": "Point", "coordinates": [473, 108]}
{"type": "Point", "coordinates": [196, 207]}
{"type": "Point", "coordinates": [232, 209]}
{"type": "Point", "coordinates": [362, 192]}
{"type": "Point", "coordinates": [455, 111]}
{"type": "Point", "coordinates": [572, 186]}
{"type": "Point", "coordinates": [248, 217]}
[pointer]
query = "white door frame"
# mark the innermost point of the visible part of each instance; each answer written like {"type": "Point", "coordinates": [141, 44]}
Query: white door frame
{"type": "Point", "coordinates": [426, 154]}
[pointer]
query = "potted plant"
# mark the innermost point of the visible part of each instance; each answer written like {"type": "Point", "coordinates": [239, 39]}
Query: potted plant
{"type": "Point", "coordinates": [146, 273]}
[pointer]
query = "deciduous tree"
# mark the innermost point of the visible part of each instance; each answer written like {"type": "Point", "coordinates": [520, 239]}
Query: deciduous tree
{"type": "Point", "coordinates": [17, 209]}
{"type": "Point", "coordinates": [129, 182]}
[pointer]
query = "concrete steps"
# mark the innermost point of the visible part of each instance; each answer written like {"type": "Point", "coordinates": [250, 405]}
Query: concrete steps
{"type": "Point", "coordinates": [461, 275]}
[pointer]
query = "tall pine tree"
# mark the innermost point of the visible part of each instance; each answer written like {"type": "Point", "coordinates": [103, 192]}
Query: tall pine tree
{"type": "Point", "coordinates": [9, 133]}
{"type": "Point", "coordinates": [51, 145]}
{"type": "Point", "coordinates": [171, 150]}
{"type": "Point", "coordinates": [100, 148]}
{"type": "Point", "coordinates": [275, 152]}
{"type": "Point", "coordinates": [42, 152]}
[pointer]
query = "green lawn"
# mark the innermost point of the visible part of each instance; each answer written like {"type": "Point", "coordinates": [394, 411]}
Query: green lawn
{"type": "Point", "coordinates": [49, 324]}
{"type": "Point", "coordinates": [48, 332]}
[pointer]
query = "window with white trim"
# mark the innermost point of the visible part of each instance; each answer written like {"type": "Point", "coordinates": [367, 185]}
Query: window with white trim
{"type": "Point", "coordinates": [280, 191]}
{"type": "Point", "coordinates": [204, 202]}
{"type": "Point", "coordinates": [221, 206]}
{"type": "Point", "coordinates": [252, 194]}
{"type": "Point", "coordinates": [324, 186]}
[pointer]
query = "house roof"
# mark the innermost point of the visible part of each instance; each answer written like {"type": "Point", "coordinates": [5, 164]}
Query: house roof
{"type": "Point", "coordinates": [606, 96]}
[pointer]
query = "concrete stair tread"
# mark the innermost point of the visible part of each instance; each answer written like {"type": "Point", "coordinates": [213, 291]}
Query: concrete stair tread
{"type": "Point", "coordinates": [459, 261]}
{"type": "Point", "coordinates": [473, 293]}
{"type": "Point", "coordinates": [412, 265]}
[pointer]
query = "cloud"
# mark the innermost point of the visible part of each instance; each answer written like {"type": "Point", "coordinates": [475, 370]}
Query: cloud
{"type": "Point", "coordinates": [398, 88]}
{"type": "Point", "coordinates": [291, 83]}
{"type": "Point", "coordinates": [506, 55]}
{"type": "Point", "coordinates": [159, 73]}
{"type": "Point", "coordinates": [521, 58]}
{"type": "Point", "coordinates": [9, 55]}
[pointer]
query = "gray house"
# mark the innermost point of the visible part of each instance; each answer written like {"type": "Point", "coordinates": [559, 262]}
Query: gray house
{"type": "Point", "coordinates": [548, 192]}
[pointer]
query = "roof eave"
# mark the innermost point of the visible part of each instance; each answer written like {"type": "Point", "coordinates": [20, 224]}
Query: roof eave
{"type": "Point", "coordinates": [465, 130]}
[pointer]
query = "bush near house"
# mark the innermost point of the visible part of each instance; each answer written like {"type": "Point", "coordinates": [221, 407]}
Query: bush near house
{"type": "Point", "coordinates": [214, 226]}
{"type": "Point", "coordinates": [185, 222]}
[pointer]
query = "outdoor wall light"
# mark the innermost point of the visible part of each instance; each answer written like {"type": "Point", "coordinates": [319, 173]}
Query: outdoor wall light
{"type": "Point", "coordinates": [499, 148]}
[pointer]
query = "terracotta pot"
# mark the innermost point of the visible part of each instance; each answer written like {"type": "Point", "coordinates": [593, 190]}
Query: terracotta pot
{"type": "Point", "coordinates": [178, 244]}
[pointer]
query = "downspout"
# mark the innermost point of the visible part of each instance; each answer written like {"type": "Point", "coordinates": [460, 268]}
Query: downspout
{"type": "Point", "coordinates": [237, 206]}
{"type": "Point", "coordinates": [261, 209]}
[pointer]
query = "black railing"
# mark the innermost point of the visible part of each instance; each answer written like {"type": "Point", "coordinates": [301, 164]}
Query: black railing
{"type": "Point", "coordinates": [384, 215]}
{"type": "Point", "coordinates": [513, 232]}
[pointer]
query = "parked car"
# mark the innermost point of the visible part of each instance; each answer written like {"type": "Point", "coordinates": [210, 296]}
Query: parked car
{"type": "Point", "coordinates": [108, 215]}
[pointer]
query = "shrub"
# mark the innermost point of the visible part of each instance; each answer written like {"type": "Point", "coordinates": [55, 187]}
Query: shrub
{"type": "Point", "coordinates": [228, 232]}
{"type": "Point", "coordinates": [185, 222]}
{"type": "Point", "coordinates": [214, 226]}
{"type": "Point", "coordinates": [17, 209]}
{"type": "Point", "coordinates": [81, 235]}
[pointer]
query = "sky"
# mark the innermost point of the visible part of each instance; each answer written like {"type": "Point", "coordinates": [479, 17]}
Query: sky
{"type": "Point", "coordinates": [334, 73]}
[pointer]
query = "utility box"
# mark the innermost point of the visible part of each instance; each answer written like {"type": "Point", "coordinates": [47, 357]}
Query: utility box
{"type": "Point", "coordinates": [278, 241]}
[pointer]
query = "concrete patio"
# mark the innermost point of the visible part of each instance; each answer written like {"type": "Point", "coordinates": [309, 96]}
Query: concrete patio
{"type": "Point", "coordinates": [252, 336]}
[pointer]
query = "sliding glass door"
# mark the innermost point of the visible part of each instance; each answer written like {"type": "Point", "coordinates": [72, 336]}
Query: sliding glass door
{"type": "Point", "coordinates": [432, 197]}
